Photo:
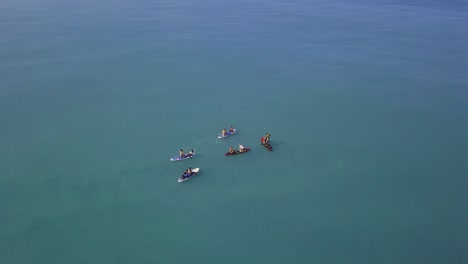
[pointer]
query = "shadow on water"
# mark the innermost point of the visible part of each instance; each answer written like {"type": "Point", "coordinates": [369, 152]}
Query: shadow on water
{"type": "Point", "coordinates": [274, 143]}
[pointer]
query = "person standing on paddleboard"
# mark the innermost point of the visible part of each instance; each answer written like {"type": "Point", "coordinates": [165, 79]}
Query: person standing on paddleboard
{"type": "Point", "coordinates": [267, 139]}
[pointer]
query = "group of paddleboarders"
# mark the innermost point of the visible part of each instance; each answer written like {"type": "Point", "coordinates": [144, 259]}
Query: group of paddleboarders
{"type": "Point", "coordinates": [265, 140]}
{"type": "Point", "coordinates": [224, 131]}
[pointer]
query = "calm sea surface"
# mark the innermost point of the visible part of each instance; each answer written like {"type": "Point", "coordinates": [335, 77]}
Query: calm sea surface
{"type": "Point", "coordinates": [366, 102]}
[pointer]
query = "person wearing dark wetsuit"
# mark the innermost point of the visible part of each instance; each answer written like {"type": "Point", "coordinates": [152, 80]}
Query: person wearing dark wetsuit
{"type": "Point", "coordinates": [187, 173]}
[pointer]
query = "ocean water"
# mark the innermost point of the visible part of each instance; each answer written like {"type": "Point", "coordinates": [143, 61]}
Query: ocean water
{"type": "Point", "coordinates": [366, 102]}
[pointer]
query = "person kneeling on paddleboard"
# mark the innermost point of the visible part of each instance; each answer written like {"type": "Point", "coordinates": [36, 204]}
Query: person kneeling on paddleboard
{"type": "Point", "coordinates": [187, 173]}
{"type": "Point", "coordinates": [231, 150]}
{"type": "Point", "coordinates": [190, 153]}
{"type": "Point", "coordinates": [223, 132]}
{"type": "Point", "coordinates": [241, 148]}
{"type": "Point", "coordinates": [181, 153]}
{"type": "Point", "coordinates": [263, 140]}
{"type": "Point", "coordinates": [231, 129]}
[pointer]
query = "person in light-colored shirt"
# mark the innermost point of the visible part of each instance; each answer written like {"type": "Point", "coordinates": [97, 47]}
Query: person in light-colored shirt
{"type": "Point", "coordinates": [241, 148]}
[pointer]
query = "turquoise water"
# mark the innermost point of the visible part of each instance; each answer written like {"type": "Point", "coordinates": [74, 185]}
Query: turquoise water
{"type": "Point", "coordinates": [367, 104]}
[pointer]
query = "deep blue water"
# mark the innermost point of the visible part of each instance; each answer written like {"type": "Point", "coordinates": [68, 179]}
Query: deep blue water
{"type": "Point", "coordinates": [366, 101]}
